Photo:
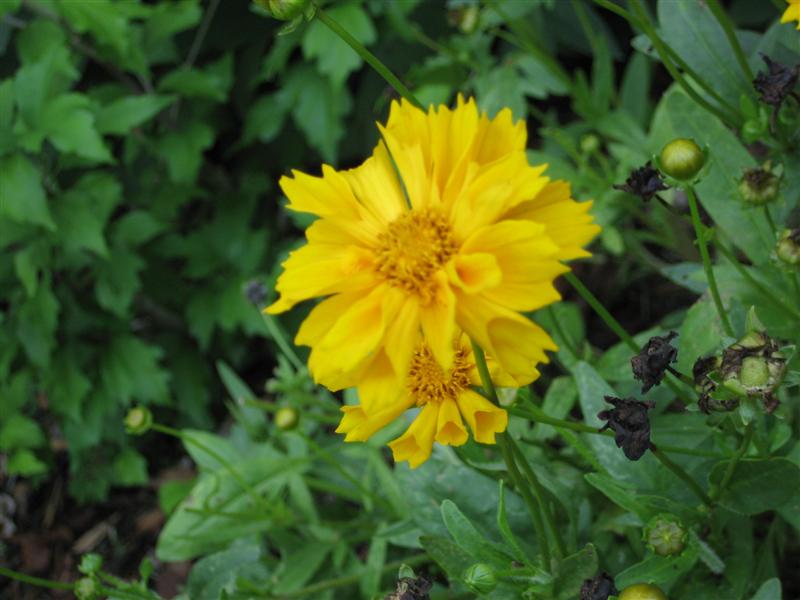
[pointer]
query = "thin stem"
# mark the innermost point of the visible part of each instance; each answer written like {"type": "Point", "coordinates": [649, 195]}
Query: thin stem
{"type": "Point", "coordinates": [701, 243]}
{"type": "Point", "coordinates": [540, 494]}
{"type": "Point", "coordinates": [663, 53]}
{"type": "Point", "coordinates": [766, 292]}
{"type": "Point", "coordinates": [368, 57]}
{"type": "Point", "coordinates": [771, 223]}
{"type": "Point", "coordinates": [200, 36]}
{"type": "Point", "coordinates": [216, 456]}
{"type": "Point", "coordinates": [726, 478]}
{"type": "Point", "coordinates": [504, 443]}
{"type": "Point", "coordinates": [681, 474]}
{"type": "Point", "coordinates": [730, 33]}
{"type": "Point", "coordinates": [561, 332]}
{"type": "Point", "coordinates": [277, 335]}
{"type": "Point", "coordinates": [37, 581]}
{"type": "Point", "coordinates": [337, 582]}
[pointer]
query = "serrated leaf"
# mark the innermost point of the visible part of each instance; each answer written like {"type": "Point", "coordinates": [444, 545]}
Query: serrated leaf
{"type": "Point", "coordinates": [69, 125]}
{"type": "Point", "coordinates": [19, 431]}
{"type": "Point", "coordinates": [122, 115]}
{"type": "Point", "coordinates": [265, 118]}
{"type": "Point", "coordinates": [216, 575]}
{"type": "Point", "coordinates": [129, 468]}
{"type": "Point", "coordinates": [67, 386]}
{"type": "Point", "coordinates": [36, 325]}
{"type": "Point", "coordinates": [183, 150]}
{"type": "Point", "coordinates": [29, 263]}
{"type": "Point", "coordinates": [118, 280]}
{"type": "Point", "coordinates": [103, 19]}
{"type": "Point", "coordinates": [131, 371]}
{"type": "Point", "coordinates": [25, 464]}
{"type": "Point", "coordinates": [211, 83]}
{"type": "Point", "coordinates": [22, 196]}
{"type": "Point", "coordinates": [334, 57]}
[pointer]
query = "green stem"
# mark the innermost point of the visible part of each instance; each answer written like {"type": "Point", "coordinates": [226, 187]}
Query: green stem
{"type": "Point", "coordinates": [730, 33]}
{"type": "Point", "coordinates": [259, 500]}
{"type": "Point", "coordinates": [504, 443]}
{"type": "Point", "coordinates": [277, 335]}
{"type": "Point", "coordinates": [789, 309]}
{"type": "Point", "coordinates": [328, 584]}
{"type": "Point", "coordinates": [663, 53]}
{"type": "Point", "coordinates": [701, 243]}
{"type": "Point", "coordinates": [368, 57]}
{"type": "Point", "coordinates": [540, 494]}
{"type": "Point", "coordinates": [726, 478]}
{"type": "Point", "coordinates": [770, 222]}
{"type": "Point", "coordinates": [561, 332]}
{"type": "Point", "coordinates": [681, 474]}
{"type": "Point", "coordinates": [37, 581]}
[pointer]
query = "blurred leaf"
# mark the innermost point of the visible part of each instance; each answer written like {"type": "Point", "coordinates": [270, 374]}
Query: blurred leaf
{"type": "Point", "coordinates": [376, 559]}
{"type": "Point", "coordinates": [573, 571]}
{"type": "Point", "coordinates": [29, 263]}
{"type": "Point", "coordinates": [334, 57]}
{"type": "Point", "coordinates": [659, 570]}
{"type": "Point", "coordinates": [130, 468]}
{"type": "Point", "coordinates": [769, 590]}
{"type": "Point", "coordinates": [183, 150]}
{"type": "Point", "coordinates": [19, 431]}
{"type": "Point", "coordinates": [130, 370]}
{"type": "Point", "coordinates": [67, 386]}
{"type": "Point", "coordinates": [468, 538]}
{"type": "Point", "coordinates": [450, 557]}
{"type": "Point", "coordinates": [122, 115]}
{"type": "Point", "coordinates": [69, 124]}
{"type": "Point", "coordinates": [211, 82]}
{"type": "Point", "coordinates": [36, 325]}
{"type": "Point", "coordinates": [22, 197]}
{"type": "Point", "coordinates": [758, 485]}
{"type": "Point", "coordinates": [25, 464]}
{"type": "Point", "coordinates": [102, 18]}
{"type": "Point", "coordinates": [118, 281]}
{"type": "Point", "coordinates": [216, 575]}
{"type": "Point", "coordinates": [265, 118]}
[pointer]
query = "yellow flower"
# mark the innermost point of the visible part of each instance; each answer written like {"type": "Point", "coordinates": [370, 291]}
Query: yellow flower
{"type": "Point", "coordinates": [444, 396]}
{"type": "Point", "coordinates": [792, 13]}
{"type": "Point", "coordinates": [481, 242]}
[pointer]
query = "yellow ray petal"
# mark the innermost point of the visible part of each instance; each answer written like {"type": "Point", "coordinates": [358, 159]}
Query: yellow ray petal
{"type": "Point", "coordinates": [484, 418]}
{"type": "Point", "coordinates": [416, 443]}
{"type": "Point", "coordinates": [360, 425]}
{"type": "Point", "coordinates": [376, 186]}
{"type": "Point", "coordinates": [475, 272]}
{"type": "Point", "coordinates": [402, 336]}
{"type": "Point", "coordinates": [437, 318]}
{"type": "Point", "coordinates": [450, 430]}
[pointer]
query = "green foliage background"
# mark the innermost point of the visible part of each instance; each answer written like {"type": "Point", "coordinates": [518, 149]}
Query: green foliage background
{"type": "Point", "coordinates": [140, 146]}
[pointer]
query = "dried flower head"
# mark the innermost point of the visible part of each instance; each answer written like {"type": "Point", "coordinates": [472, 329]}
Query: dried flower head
{"type": "Point", "coordinates": [644, 182]}
{"type": "Point", "coordinates": [630, 424]}
{"type": "Point", "coordinates": [411, 588]}
{"type": "Point", "coordinates": [654, 359]}
{"type": "Point", "coordinates": [759, 186]}
{"type": "Point", "coordinates": [788, 248]}
{"type": "Point", "coordinates": [775, 85]}
{"type": "Point", "coordinates": [754, 366]}
{"type": "Point", "coordinates": [600, 587]}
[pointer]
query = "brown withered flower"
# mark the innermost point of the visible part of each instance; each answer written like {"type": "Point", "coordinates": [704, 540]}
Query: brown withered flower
{"type": "Point", "coordinates": [653, 360]}
{"type": "Point", "coordinates": [630, 424]}
{"type": "Point", "coordinates": [705, 373]}
{"type": "Point", "coordinates": [644, 182]}
{"type": "Point", "coordinates": [775, 85]}
{"type": "Point", "coordinates": [411, 588]}
{"type": "Point", "coordinates": [600, 587]}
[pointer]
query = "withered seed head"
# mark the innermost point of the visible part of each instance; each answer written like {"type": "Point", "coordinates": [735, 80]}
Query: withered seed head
{"type": "Point", "coordinates": [644, 182]}
{"type": "Point", "coordinates": [630, 424]}
{"type": "Point", "coordinates": [600, 587]}
{"type": "Point", "coordinates": [652, 362]}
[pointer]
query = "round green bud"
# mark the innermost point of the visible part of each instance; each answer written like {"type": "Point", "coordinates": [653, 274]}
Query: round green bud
{"type": "Point", "coordinates": [642, 591]}
{"type": "Point", "coordinates": [590, 143]}
{"type": "Point", "coordinates": [138, 420]}
{"type": "Point", "coordinates": [286, 418]}
{"type": "Point", "coordinates": [284, 10]}
{"type": "Point", "coordinates": [480, 578]}
{"type": "Point", "coordinates": [788, 248]}
{"type": "Point", "coordinates": [87, 588]}
{"type": "Point", "coordinates": [90, 563]}
{"type": "Point", "coordinates": [682, 159]}
{"type": "Point", "coordinates": [665, 535]}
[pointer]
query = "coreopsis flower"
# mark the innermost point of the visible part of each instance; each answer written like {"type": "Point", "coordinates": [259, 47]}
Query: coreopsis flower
{"type": "Point", "coordinates": [446, 225]}
{"type": "Point", "coordinates": [792, 13]}
{"type": "Point", "coordinates": [444, 396]}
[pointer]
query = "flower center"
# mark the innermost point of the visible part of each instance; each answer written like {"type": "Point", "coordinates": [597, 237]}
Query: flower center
{"type": "Point", "coordinates": [428, 382]}
{"type": "Point", "coordinates": [413, 248]}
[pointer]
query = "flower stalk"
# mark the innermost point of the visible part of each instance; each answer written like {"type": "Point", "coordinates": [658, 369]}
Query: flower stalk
{"type": "Point", "coordinates": [728, 475]}
{"type": "Point", "coordinates": [678, 471]}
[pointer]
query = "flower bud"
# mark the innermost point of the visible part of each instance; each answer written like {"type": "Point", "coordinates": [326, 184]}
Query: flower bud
{"type": "Point", "coordinates": [138, 420]}
{"type": "Point", "coordinates": [285, 10]}
{"type": "Point", "coordinates": [682, 159]}
{"type": "Point", "coordinates": [788, 248]}
{"type": "Point", "coordinates": [642, 591]}
{"type": "Point", "coordinates": [754, 366]}
{"type": "Point", "coordinates": [87, 588]}
{"type": "Point", "coordinates": [286, 418]}
{"type": "Point", "coordinates": [665, 535]}
{"type": "Point", "coordinates": [590, 143]}
{"type": "Point", "coordinates": [480, 578]}
{"type": "Point", "coordinates": [90, 563]}
{"type": "Point", "coordinates": [759, 186]}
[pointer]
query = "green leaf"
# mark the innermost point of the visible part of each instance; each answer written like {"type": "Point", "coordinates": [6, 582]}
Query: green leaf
{"type": "Point", "coordinates": [659, 570]}
{"type": "Point", "coordinates": [469, 539]}
{"type": "Point", "coordinates": [80, 224]}
{"type": "Point", "coordinates": [300, 566]}
{"type": "Point", "coordinates": [69, 125]}
{"type": "Point", "coordinates": [376, 558]}
{"type": "Point", "coordinates": [334, 57]}
{"type": "Point", "coordinates": [122, 115]}
{"type": "Point", "coordinates": [25, 464]}
{"type": "Point", "coordinates": [635, 90]}
{"type": "Point", "coordinates": [209, 451]}
{"type": "Point", "coordinates": [216, 575]}
{"type": "Point", "coordinates": [171, 493]}
{"type": "Point", "coordinates": [183, 150]}
{"type": "Point", "coordinates": [129, 468]}
{"type": "Point", "coordinates": [29, 263]}
{"type": "Point", "coordinates": [573, 570]}
{"type": "Point", "coordinates": [19, 431]}
{"type": "Point", "coordinates": [769, 590]}
{"type": "Point", "coordinates": [758, 485]}
{"type": "Point", "coordinates": [265, 118]}
{"type": "Point", "coordinates": [211, 83]}
{"type": "Point", "coordinates": [103, 19]}
{"type": "Point", "coordinates": [118, 281]}
{"type": "Point", "coordinates": [505, 528]}
{"type": "Point", "coordinates": [9, 6]}
{"type": "Point", "coordinates": [318, 109]}
{"type": "Point", "coordinates": [22, 197]}
{"type": "Point", "coordinates": [700, 334]}
{"type": "Point", "coordinates": [6, 115]}
{"type": "Point", "coordinates": [131, 370]}
{"type": "Point", "coordinates": [36, 325]}
{"type": "Point", "coordinates": [643, 505]}
{"type": "Point", "coordinates": [450, 557]}
{"type": "Point", "coordinates": [67, 386]}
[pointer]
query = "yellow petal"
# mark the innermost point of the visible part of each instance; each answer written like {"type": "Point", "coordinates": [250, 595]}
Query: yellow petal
{"type": "Point", "coordinates": [328, 195]}
{"type": "Point", "coordinates": [359, 425]}
{"type": "Point", "coordinates": [416, 443]}
{"type": "Point", "coordinates": [402, 336]}
{"type": "Point", "coordinates": [324, 315]}
{"type": "Point", "coordinates": [438, 320]}
{"type": "Point", "coordinates": [450, 430]}
{"type": "Point", "coordinates": [474, 273]}
{"type": "Point", "coordinates": [376, 186]}
{"type": "Point", "coordinates": [484, 418]}
{"type": "Point", "coordinates": [378, 384]}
